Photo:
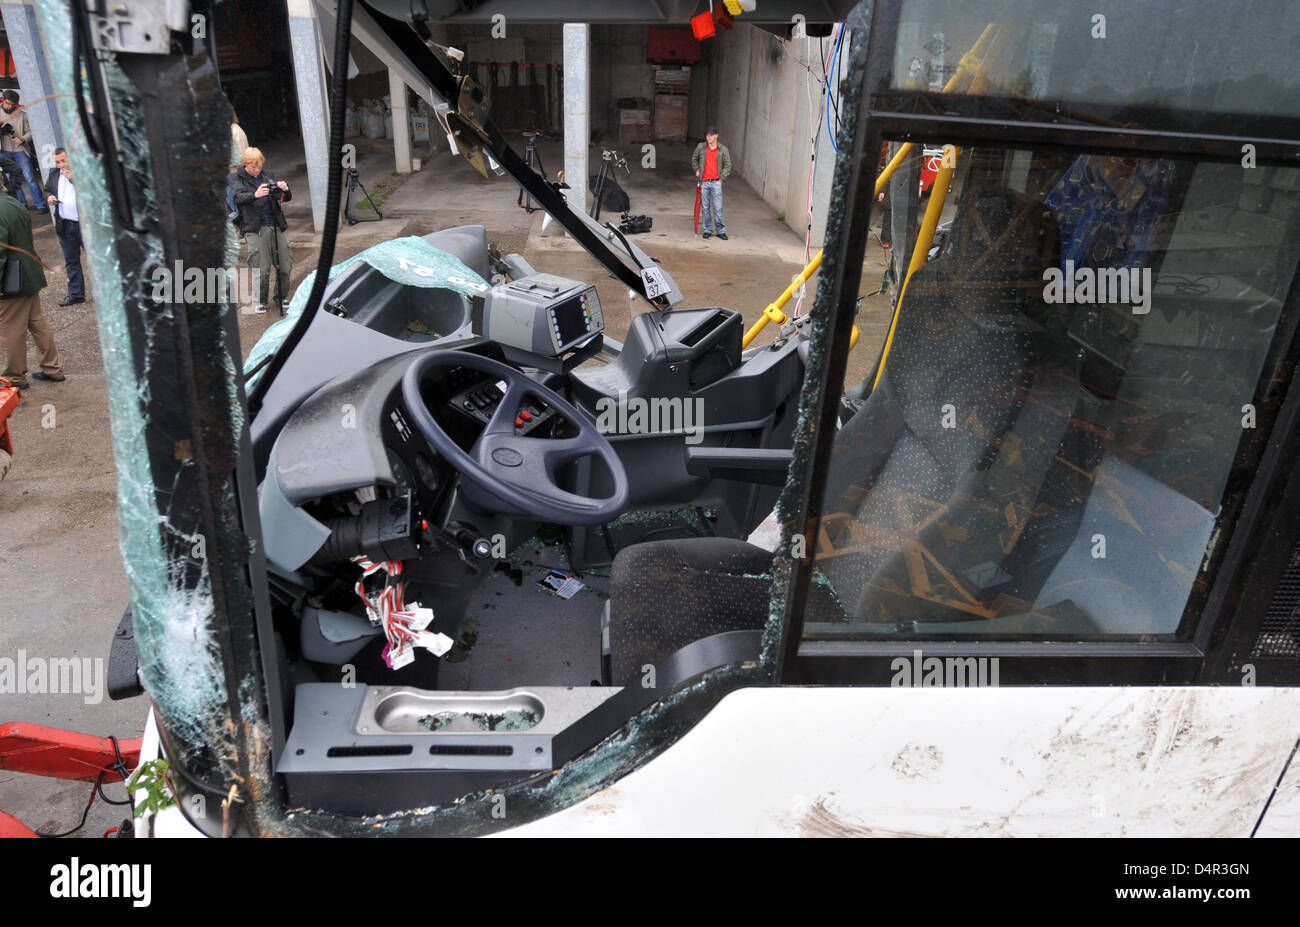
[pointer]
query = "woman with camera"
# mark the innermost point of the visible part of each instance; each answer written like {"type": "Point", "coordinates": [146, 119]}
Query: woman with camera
{"type": "Point", "coordinates": [257, 196]}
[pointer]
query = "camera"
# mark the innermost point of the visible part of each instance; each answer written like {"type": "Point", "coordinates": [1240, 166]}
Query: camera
{"type": "Point", "coordinates": [6, 130]}
{"type": "Point", "coordinates": [272, 191]}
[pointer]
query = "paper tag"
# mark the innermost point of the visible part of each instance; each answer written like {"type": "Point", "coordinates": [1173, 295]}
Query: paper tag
{"type": "Point", "coordinates": [423, 617]}
{"type": "Point", "coordinates": [436, 644]}
{"type": "Point", "coordinates": [397, 659]}
{"type": "Point", "coordinates": [656, 282]}
{"type": "Point", "coordinates": [562, 584]}
{"type": "Point", "coordinates": [569, 588]}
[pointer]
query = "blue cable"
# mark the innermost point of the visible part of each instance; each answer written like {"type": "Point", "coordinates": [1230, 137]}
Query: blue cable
{"type": "Point", "coordinates": [830, 82]}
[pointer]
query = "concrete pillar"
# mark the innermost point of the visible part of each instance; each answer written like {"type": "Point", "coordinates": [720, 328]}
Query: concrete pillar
{"type": "Point", "coordinates": [401, 123]}
{"type": "Point", "coordinates": [577, 104]}
{"type": "Point", "coordinates": [35, 88]}
{"type": "Point", "coordinates": [313, 102]}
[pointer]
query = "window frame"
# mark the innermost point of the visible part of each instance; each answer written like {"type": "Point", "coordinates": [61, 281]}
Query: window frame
{"type": "Point", "coordinates": [1226, 615]}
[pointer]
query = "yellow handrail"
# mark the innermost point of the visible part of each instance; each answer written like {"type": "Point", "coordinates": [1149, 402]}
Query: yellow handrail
{"type": "Point", "coordinates": [938, 194]}
{"type": "Point", "coordinates": [970, 69]}
{"type": "Point", "coordinates": [773, 311]}
{"type": "Point", "coordinates": [994, 39]}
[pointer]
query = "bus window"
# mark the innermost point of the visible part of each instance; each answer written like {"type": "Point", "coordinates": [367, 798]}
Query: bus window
{"type": "Point", "coordinates": [1049, 450]}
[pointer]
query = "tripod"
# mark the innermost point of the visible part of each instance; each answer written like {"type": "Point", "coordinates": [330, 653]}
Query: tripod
{"type": "Point", "coordinates": [608, 161]}
{"type": "Point", "coordinates": [354, 182]}
{"type": "Point", "coordinates": [534, 160]}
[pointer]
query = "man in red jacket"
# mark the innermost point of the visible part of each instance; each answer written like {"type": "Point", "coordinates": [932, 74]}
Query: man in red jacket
{"type": "Point", "coordinates": [712, 165]}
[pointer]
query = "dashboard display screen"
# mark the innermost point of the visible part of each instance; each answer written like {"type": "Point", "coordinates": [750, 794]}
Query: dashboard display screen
{"type": "Point", "coordinates": [572, 320]}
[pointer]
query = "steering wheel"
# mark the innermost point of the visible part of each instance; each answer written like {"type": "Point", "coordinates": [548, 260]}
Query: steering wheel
{"type": "Point", "coordinates": [514, 474]}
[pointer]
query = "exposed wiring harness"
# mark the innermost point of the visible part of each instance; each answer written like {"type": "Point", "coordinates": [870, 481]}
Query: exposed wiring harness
{"type": "Point", "coordinates": [830, 90]}
{"type": "Point", "coordinates": [405, 628]}
{"type": "Point", "coordinates": [823, 115]}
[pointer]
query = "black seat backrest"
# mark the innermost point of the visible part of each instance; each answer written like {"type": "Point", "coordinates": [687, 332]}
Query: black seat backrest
{"type": "Point", "coordinates": [965, 359]}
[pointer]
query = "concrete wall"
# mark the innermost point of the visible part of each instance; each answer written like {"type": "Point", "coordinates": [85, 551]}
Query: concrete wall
{"type": "Point", "coordinates": [618, 69]}
{"type": "Point", "coordinates": [765, 101]}
{"type": "Point", "coordinates": [618, 59]}
{"type": "Point", "coordinates": [764, 93]}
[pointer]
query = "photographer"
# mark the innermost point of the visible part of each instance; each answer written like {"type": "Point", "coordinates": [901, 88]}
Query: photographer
{"type": "Point", "coordinates": [257, 196]}
{"type": "Point", "coordinates": [15, 142]}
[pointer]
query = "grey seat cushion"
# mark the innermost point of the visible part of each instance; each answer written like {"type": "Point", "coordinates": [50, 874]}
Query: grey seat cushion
{"type": "Point", "coordinates": [667, 594]}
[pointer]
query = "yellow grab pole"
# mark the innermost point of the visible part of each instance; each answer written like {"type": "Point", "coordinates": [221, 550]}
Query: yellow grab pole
{"type": "Point", "coordinates": [773, 311]}
{"type": "Point", "coordinates": [892, 166]}
{"type": "Point", "coordinates": [969, 66]}
{"type": "Point", "coordinates": [972, 73]}
{"type": "Point", "coordinates": [924, 238]}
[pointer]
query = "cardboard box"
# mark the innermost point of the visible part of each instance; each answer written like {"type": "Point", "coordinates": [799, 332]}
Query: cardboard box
{"type": "Point", "coordinates": [672, 101]}
{"type": "Point", "coordinates": [673, 80]}
{"type": "Point", "coordinates": [632, 132]}
{"type": "Point", "coordinates": [671, 115]}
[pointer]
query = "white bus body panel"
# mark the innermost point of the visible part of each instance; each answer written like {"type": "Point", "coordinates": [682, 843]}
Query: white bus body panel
{"type": "Point", "coordinates": [884, 762]}
{"type": "Point", "coordinates": [879, 762]}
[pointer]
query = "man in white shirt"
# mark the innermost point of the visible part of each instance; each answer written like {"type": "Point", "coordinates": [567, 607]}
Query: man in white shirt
{"type": "Point", "coordinates": [61, 194]}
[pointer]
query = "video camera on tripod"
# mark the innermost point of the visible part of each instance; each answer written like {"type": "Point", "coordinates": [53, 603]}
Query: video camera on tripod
{"type": "Point", "coordinates": [610, 161]}
{"type": "Point", "coordinates": [349, 212]}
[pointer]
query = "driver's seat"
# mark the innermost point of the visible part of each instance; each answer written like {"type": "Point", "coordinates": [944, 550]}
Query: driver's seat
{"type": "Point", "coordinates": [665, 595]}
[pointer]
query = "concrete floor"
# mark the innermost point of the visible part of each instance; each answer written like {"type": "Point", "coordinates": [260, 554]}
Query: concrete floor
{"type": "Point", "coordinates": [62, 589]}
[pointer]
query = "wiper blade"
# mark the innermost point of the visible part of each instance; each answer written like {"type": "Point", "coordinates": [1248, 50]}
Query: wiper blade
{"type": "Point", "coordinates": [468, 121]}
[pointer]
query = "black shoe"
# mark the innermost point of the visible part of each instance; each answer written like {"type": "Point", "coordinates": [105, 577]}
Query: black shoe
{"type": "Point", "coordinates": [707, 235]}
{"type": "Point", "coordinates": [722, 235]}
{"type": "Point", "coordinates": [71, 300]}
{"type": "Point", "coordinates": [42, 375]}
{"type": "Point", "coordinates": [20, 386]}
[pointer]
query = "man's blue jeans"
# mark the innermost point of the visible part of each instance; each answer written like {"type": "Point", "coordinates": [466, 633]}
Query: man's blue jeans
{"type": "Point", "coordinates": [711, 207]}
{"type": "Point", "coordinates": [29, 175]}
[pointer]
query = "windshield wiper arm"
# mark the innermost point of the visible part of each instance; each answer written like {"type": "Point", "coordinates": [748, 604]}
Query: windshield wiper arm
{"type": "Point", "coordinates": [469, 122]}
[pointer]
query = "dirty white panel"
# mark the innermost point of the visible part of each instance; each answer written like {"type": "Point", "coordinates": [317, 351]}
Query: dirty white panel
{"type": "Point", "coordinates": [1283, 816]}
{"type": "Point", "coordinates": [966, 762]}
